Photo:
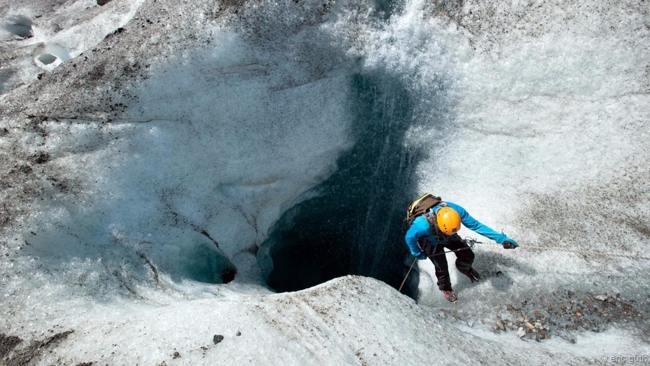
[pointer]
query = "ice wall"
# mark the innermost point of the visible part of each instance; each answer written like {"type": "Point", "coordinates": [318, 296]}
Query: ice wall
{"type": "Point", "coordinates": [189, 167]}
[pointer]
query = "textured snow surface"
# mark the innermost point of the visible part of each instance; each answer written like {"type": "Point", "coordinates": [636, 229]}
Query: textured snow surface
{"type": "Point", "coordinates": [148, 148]}
{"type": "Point", "coordinates": [350, 320]}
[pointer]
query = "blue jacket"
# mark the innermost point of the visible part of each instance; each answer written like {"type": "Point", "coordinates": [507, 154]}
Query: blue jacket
{"type": "Point", "coordinates": [420, 227]}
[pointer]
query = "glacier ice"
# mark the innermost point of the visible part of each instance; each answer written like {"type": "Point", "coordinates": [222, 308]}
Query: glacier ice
{"type": "Point", "coordinates": [172, 143]}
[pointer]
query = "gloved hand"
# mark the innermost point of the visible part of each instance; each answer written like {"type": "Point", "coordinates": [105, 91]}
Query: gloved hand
{"type": "Point", "coordinates": [422, 256]}
{"type": "Point", "coordinates": [510, 244]}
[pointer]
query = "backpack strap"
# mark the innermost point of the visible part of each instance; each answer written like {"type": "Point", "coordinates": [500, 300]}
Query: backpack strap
{"type": "Point", "coordinates": [431, 217]}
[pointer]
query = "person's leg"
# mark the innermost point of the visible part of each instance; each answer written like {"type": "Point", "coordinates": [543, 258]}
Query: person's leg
{"type": "Point", "coordinates": [464, 257]}
{"type": "Point", "coordinates": [442, 271]}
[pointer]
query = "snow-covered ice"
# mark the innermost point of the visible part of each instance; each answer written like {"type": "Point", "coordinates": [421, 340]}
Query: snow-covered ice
{"type": "Point", "coordinates": [151, 148]}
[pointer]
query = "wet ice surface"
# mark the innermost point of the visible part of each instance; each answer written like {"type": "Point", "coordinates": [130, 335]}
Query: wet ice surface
{"type": "Point", "coordinates": [140, 170]}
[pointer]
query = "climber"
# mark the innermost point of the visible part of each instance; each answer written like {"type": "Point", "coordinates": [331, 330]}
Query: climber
{"type": "Point", "coordinates": [434, 225]}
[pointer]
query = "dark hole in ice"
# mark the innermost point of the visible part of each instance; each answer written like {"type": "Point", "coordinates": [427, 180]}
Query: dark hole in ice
{"type": "Point", "coordinates": [355, 225]}
{"type": "Point", "coordinates": [46, 58]}
{"type": "Point", "coordinates": [19, 25]}
{"type": "Point", "coordinates": [204, 264]}
{"type": "Point", "coordinates": [228, 274]}
{"type": "Point", "coordinates": [103, 2]}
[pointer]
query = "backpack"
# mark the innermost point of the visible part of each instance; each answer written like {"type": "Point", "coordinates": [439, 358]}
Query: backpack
{"type": "Point", "coordinates": [420, 206]}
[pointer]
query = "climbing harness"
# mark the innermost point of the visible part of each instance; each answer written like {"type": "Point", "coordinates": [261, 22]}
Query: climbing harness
{"type": "Point", "coordinates": [470, 244]}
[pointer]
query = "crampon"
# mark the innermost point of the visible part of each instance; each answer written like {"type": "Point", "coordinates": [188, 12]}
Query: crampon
{"type": "Point", "coordinates": [450, 295]}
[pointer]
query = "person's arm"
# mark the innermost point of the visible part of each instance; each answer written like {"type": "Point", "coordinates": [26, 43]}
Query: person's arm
{"type": "Point", "coordinates": [419, 228]}
{"type": "Point", "coordinates": [474, 225]}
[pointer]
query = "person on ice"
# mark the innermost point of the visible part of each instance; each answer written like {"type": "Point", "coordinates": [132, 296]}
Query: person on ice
{"type": "Point", "coordinates": [433, 227]}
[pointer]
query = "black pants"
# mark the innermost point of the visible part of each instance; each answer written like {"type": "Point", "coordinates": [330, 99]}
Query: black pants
{"type": "Point", "coordinates": [436, 253]}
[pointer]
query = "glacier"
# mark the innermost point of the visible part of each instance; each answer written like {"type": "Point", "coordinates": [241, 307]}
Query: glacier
{"type": "Point", "coordinates": [178, 171]}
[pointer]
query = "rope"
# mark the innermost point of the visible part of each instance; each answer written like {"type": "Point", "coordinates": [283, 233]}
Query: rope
{"type": "Point", "coordinates": [471, 242]}
{"type": "Point", "coordinates": [470, 245]}
{"type": "Point", "coordinates": [582, 252]}
{"type": "Point", "coordinates": [407, 275]}
{"type": "Point", "coordinates": [590, 252]}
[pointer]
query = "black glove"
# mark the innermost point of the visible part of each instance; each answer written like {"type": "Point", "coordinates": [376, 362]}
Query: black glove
{"type": "Point", "coordinates": [510, 244]}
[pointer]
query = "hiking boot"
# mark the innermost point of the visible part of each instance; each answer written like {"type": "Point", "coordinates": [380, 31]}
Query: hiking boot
{"type": "Point", "coordinates": [450, 295]}
{"type": "Point", "coordinates": [473, 275]}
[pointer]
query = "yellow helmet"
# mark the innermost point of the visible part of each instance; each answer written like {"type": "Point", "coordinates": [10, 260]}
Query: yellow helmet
{"type": "Point", "coordinates": [448, 220]}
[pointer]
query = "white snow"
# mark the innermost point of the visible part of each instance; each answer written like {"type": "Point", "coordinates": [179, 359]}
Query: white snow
{"type": "Point", "coordinates": [66, 29]}
{"type": "Point", "coordinates": [350, 320]}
